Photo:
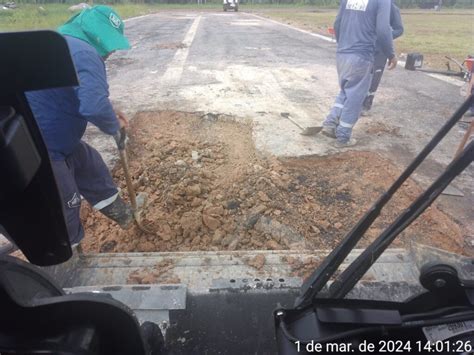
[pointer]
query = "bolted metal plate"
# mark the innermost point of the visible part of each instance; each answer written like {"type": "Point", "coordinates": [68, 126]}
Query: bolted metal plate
{"type": "Point", "coordinates": [246, 284]}
{"type": "Point", "coordinates": [150, 303]}
{"type": "Point", "coordinates": [142, 297]}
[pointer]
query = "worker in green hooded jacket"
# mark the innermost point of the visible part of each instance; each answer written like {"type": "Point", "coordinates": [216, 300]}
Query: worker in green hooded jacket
{"type": "Point", "coordinates": [63, 114]}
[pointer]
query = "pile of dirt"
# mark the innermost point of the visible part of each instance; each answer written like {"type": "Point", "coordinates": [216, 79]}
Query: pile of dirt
{"type": "Point", "coordinates": [303, 269]}
{"type": "Point", "coordinates": [162, 273]}
{"type": "Point", "coordinates": [172, 45]}
{"type": "Point", "coordinates": [379, 129]}
{"type": "Point", "coordinates": [257, 262]}
{"type": "Point", "coordinates": [210, 190]}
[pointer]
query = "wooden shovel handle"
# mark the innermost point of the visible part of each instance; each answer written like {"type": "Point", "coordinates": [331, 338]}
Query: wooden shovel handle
{"type": "Point", "coordinates": [464, 139]}
{"type": "Point", "coordinates": [128, 178]}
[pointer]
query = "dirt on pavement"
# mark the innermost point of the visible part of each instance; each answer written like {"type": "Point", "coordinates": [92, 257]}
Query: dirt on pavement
{"type": "Point", "coordinates": [162, 272]}
{"type": "Point", "coordinates": [209, 189]}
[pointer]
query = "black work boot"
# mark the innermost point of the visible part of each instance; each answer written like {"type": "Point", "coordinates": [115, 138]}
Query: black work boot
{"type": "Point", "coordinates": [120, 212]}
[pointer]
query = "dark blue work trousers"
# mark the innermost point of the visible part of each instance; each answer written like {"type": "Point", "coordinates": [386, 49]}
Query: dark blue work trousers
{"type": "Point", "coordinates": [83, 173]}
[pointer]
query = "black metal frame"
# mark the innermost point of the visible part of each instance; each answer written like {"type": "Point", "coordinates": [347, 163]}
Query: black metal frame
{"type": "Point", "coordinates": [448, 300]}
{"type": "Point", "coordinates": [31, 209]}
{"type": "Point", "coordinates": [347, 279]}
{"type": "Point", "coordinates": [318, 280]}
{"type": "Point", "coordinates": [328, 317]}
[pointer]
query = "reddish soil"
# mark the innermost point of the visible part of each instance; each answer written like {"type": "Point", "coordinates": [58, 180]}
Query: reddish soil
{"type": "Point", "coordinates": [210, 190]}
{"type": "Point", "coordinates": [162, 273]}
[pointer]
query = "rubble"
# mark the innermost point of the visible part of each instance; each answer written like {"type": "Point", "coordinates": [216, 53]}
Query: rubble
{"type": "Point", "coordinates": [257, 262]}
{"type": "Point", "coordinates": [162, 273]}
{"type": "Point", "coordinates": [234, 198]}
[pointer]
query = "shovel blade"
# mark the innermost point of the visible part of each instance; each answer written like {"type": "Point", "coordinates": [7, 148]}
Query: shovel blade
{"type": "Point", "coordinates": [311, 131]}
{"type": "Point", "coordinates": [142, 199]}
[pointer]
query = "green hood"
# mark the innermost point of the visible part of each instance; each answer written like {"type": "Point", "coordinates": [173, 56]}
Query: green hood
{"type": "Point", "coordinates": [100, 26]}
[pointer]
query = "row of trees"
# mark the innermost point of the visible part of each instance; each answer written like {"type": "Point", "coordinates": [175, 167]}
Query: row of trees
{"type": "Point", "coordinates": [428, 3]}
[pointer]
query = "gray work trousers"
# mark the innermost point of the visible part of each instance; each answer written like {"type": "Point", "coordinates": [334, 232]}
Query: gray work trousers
{"type": "Point", "coordinates": [355, 76]}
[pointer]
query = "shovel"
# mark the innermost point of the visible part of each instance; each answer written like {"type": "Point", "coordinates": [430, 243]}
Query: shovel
{"type": "Point", "coordinates": [308, 131]}
{"type": "Point", "coordinates": [120, 140]}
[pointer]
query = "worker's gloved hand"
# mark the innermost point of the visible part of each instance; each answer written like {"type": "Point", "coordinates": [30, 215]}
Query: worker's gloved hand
{"type": "Point", "coordinates": [120, 138]}
{"type": "Point", "coordinates": [123, 121]}
{"type": "Point", "coordinates": [392, 63]}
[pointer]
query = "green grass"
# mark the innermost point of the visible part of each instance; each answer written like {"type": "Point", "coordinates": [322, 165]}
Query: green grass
{"type": "Point", "coordinates": [29, 17]}
{"type": "Point", "coordinates": [312, 20]}
{"type": "Point", "coordinates": [435, 34]}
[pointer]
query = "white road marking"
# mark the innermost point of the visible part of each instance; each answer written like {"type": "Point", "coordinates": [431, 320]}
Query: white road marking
{"type": "Point", "coordinates": [245, 23]}
{"type": "Point", "coordinates": [176, 66]}
{"type": "Point", "coordinates": [175, 17]}
{"type": "Point", "coordinates": [136, 18]}
{"type": "Point", "coordinates": [259, 48]}
{"type": "Point", "coordinates": [325, 38]}
{"type": "Point", "coordinates": [219, 14]}
{"type": "Point", "coordinates": [246, 20]}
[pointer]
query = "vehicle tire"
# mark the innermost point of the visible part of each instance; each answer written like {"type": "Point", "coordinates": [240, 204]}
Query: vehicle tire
{"type": "Point", "coordinates": [225, 9]}
{"type": "Point", "coordinates": [154, 338]}
{"type": "Point", "coordinates": [236, 9]}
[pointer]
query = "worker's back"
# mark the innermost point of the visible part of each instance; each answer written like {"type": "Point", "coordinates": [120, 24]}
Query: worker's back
{"type": "Point", "coordinates": [360, 23]}
{"type": "Point", "coordinates": [63, 113]}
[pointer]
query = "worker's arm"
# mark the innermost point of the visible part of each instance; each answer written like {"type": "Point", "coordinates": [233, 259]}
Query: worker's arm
{"type": "Point", "coordinates": [93, 93]}
{"type": "Point", "coordinates": [384, 32]}
{"type": "Point", "coordinates": [396, 21]}
{"type": "Point", "coordinates": [337, 22]}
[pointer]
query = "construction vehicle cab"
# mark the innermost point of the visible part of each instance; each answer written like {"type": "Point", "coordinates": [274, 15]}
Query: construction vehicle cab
{"type": "Point", "coordinates": [232, 5]}
{"type": "Point", "coordinates": [422, 301]}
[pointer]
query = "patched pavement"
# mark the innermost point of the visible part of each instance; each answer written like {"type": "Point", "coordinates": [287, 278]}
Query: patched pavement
{"type": "Point", "coordinates": [254, 69]}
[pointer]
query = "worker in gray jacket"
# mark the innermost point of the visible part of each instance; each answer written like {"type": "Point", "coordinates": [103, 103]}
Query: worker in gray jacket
{"type": "Point", "coordinates": [380, 59]}
{"type": "Point", "coordinates": [359, 25]}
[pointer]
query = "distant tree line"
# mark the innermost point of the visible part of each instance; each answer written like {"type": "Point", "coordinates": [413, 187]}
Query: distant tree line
{"type": "Point", "coordinates": [323, 3]}
{"type": "Point", "coordinates": [432, 3]}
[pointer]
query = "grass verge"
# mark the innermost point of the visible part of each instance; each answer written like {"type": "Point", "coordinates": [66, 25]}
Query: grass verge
{"type": "Point", "coordinates": [31, 17]}
{"type": "Point", "coordinates": [435, 34]}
